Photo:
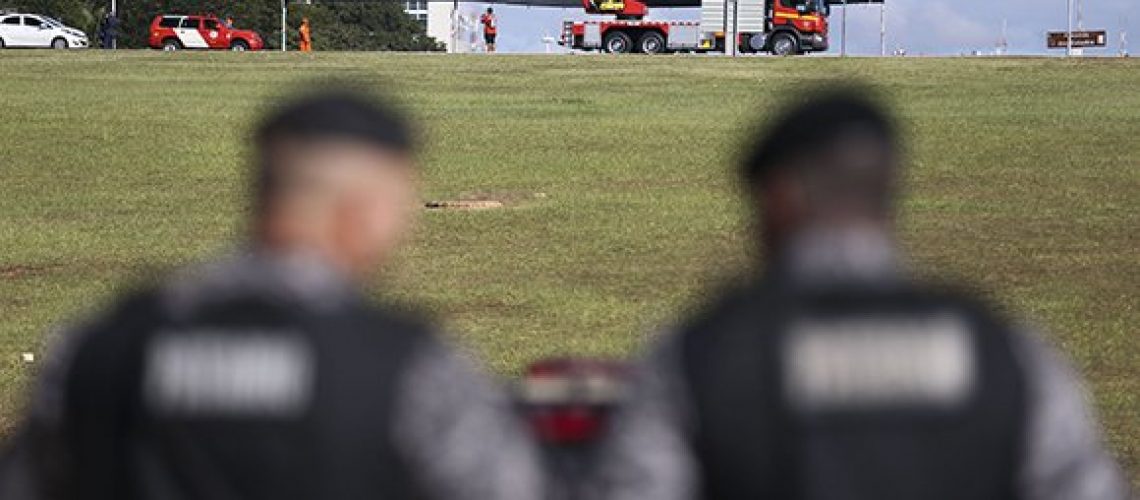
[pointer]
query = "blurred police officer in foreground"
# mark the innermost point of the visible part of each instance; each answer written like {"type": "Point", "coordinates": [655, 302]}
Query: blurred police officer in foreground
{"type": "Point", "coordinates": [835, 377]}
{"type": "Point", "coordinates": [268, 374]}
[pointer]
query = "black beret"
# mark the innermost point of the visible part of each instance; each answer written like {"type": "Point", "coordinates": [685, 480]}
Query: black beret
{"type": "Point", "coordinates": [812, 124]}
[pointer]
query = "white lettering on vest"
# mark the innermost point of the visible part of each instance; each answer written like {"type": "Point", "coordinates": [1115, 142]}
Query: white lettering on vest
{"type": "Point", "coordinates": [238, 373]}
{"type": "Point", "coordinates": [876, 362]}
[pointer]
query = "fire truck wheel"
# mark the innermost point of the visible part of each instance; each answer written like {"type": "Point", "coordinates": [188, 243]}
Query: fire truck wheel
{"type": "Point", "coordinates": [784, 44]}
{"type": "Point", "coordinates": [617, 42]}
{"type": "Point", "coordinates": [756, 43]}
{"type": "Point", "coordinates": [171, 44]}
{"type": "Point", "coordinates": [239, 46]}
{"type": "Point", "coordinates": [651, 43]}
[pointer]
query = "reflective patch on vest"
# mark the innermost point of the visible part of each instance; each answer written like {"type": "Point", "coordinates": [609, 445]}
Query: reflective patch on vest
{"type": "Point", "coordinates": [222, 374]}
{"type": "Point", "coordinates": [872, 363]}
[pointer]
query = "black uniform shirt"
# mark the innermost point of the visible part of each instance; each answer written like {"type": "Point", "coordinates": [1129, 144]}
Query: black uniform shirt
{"type": "Point", "coordinates": [706, 420]}
{"type": "Point", "coordinates": [265, 377]}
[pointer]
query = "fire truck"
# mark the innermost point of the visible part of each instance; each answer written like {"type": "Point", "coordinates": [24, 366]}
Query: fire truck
{"type": "Point", "coordinates": [782, 27]}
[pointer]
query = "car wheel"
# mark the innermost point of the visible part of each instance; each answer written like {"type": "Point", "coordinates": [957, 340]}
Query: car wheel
{"type": "Point", "coordinates": [784, 44]}
{"type": "Point", "coordinates": [171, 45]}
{"type": "Point", "coordinates": [2, 46]}
{"type": "Point", "coordinates": [651, 43]}
{"type": "Point", "coordinates": [617, 42]}
{"type": "Point", "coordinates": [59, 43]}
{"type": "Point", "coordinates": [239, 46]}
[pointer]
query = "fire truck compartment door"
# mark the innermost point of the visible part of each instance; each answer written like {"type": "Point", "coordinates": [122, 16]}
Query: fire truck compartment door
{"type": "Point", "coordinates": [684, 36]}
{"type": "Point", "coordinates": [749, 16]}
{"type": "Point", "coordinates": [592, 35]}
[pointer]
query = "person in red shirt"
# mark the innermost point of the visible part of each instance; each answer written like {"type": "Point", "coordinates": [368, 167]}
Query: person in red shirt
{"type": "Point", "coordinates": [490, 28]}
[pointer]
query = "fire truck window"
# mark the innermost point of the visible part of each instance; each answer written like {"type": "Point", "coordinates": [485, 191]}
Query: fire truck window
{"type": "Point", "coordinates": [169, 22]}
{"type": "Point", "coordinates": [11, 20]}
{"type": "Point", "coordinates": [210, 24]}
{"type": "Point", "coordinates": [190, 22]}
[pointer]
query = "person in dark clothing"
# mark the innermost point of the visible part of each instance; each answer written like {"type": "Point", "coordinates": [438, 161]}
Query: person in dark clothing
{"type": "Point", "coordinates": [109, 30]}
{"type": "Point", "coordinates": [268, 374]}
{"type": "Point", "coordinates": [834, 376]}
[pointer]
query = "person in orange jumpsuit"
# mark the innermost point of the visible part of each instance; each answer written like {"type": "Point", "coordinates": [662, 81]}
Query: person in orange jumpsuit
{"type": "Point", "coordinates": [306, 36]}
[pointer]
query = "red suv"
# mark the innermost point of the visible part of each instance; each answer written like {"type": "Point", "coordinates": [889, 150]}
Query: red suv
{"type": "Point", "coordinates": [176, 32]}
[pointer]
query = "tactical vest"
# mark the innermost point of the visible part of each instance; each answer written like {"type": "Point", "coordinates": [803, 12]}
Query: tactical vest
{"type": "Point", "coordinates": [854, 394]}
{"type": "Point", "coordinates": [244, 399]}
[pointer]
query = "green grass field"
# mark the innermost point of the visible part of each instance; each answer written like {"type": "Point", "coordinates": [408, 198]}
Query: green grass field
{"type": "Point", "coordinates": [1025, 181]}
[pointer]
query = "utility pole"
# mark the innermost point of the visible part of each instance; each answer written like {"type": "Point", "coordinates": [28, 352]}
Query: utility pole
{"type": "Point", "coordinates": [115, 14]}
{"type": "Point", "coordinates": [735, 28]}
{"type": "Point", "coordinates": [284, 25]}
{"type": "Point", "coordinates": [1069, 30]}
{"type": "Point", "coordinates": [1003, 42]}
{"type": "Point", "coordinates": [730, 22]}
{"type": "Point", "coordinates": [843, 32]}
{"type": "Point", "coordinates": [454, 46]}
{"type": "Point", "coordinates": [883, 29]}
{"type": "Point", "coordinates": [1124, 37]}
{"type": "Point", "coordinates": [724, 26]}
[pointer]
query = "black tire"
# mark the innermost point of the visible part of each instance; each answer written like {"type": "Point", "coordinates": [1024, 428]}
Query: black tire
{"type": "Point", "coordinates": [59, 44]}
{"type": "Point", "coordinates": [2, 46]}
{"type": "Point", "coordinates": [617, 42]}
{"type": "Point", "coordinates": [171, 45]}
{"type": "Point", "coordinates": [754, 43]}
{"type": "Point", "coordinates": [651, 42]}
{"type": "Point", "coordinates": [239, 45]}
{"type": "Point", "coordinates": [784, 44]}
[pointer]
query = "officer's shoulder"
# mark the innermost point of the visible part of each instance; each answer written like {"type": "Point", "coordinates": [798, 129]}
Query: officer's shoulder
{"type": "Point", "coordinates": [732, 302]}
{"type": "Point", "coordinates": [400, 318]}
{"type": "Point", "coordinates": [745, 302]}
{"type": "Point", "coordinates": [137, 304]}
{"type": "Point", "coordinates": [103, 337]}
{"type": "Point", "coordinates": [964, 296]}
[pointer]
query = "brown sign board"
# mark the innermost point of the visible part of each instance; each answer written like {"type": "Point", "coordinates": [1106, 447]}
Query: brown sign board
{"type": "Point", "coordinates": [1059, 39]}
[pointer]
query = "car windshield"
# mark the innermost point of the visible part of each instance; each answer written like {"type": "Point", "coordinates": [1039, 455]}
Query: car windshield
{"type": "Point", "coordinates": [55, 23]}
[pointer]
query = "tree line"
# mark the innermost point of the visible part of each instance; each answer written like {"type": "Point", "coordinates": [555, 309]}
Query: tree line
{"type": "Point", "coordinates": [365, 25]}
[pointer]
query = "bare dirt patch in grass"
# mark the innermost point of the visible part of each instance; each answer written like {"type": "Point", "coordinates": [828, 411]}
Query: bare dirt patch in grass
{"type": "Point", "coordinates": [463, 204]}
{"type": "Point", "coordinates": [485, 200]}
{"type": "Point", "coordinates": [20, 271]}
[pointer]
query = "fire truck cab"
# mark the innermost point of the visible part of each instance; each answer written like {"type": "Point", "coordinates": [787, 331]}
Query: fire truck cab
{"type": "Point", "coordinates": [782, 27]}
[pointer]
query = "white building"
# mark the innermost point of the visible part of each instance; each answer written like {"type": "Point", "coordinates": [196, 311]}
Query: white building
{"type": "Point", "coordinates": [418, 9]}
{"type": "Point", "coordinates": [447, 21]}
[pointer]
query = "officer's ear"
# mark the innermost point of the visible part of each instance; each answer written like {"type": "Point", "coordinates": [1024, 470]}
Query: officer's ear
{"type": "Point", "coordinates": [780, 203]}
{"type": "Point", "coordinates": [781, 196]}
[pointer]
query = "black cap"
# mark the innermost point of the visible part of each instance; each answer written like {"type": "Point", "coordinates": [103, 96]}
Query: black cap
{"type": "Point", "coordinates": [337, 114]}
{"type": "Point", "coordinates": [812, 124]}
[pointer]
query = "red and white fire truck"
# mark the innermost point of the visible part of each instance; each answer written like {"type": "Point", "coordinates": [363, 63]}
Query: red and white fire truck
{"type": "Point", "coordinates": [782, 27]}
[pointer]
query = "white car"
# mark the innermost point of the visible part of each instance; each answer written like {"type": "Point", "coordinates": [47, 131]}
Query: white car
{"type": "Point", "coordinates": [32, 30]}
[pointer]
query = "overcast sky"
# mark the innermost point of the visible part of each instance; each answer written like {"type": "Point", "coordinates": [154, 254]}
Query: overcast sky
{"type": "Point", "coordinates": [919, 26]}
